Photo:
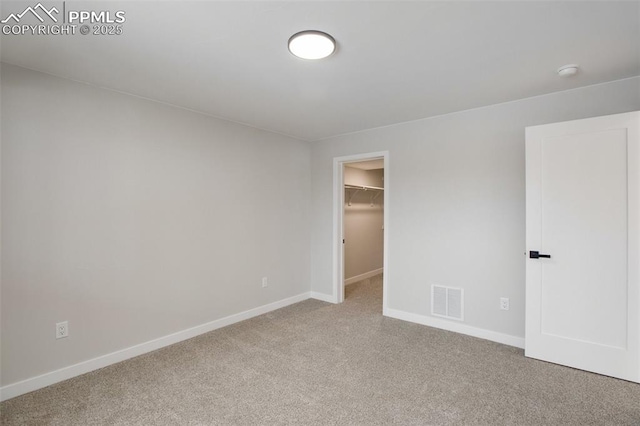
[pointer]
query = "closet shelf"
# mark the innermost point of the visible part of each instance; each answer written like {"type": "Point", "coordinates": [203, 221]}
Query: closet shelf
{"type": "Point", "coordinates": [364, 187]}
{"type": "Point", "coordinates": [376, 189]}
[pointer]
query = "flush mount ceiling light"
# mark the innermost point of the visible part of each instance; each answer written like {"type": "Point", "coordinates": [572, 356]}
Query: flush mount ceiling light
{"type": "Point", "coordinates": [568, 70]}
{"type": "Point", "coordinates": [312, 45]}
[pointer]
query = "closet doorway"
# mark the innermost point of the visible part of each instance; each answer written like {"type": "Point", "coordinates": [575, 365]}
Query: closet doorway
{"type": "Point", "coordinates": [361, 217]}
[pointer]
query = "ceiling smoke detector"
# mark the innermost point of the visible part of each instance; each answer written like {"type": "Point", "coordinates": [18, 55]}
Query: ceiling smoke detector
{"type": "Point", "coordinates": [312, 44]}
{"type": "Point", "coordinates": [568, 70]}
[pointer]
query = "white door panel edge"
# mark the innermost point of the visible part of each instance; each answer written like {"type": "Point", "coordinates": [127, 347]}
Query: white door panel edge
{"type": "Point", "coordinates": [583, 209]}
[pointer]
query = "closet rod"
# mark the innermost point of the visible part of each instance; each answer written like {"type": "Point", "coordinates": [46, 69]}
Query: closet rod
{"type": "Point", "coordinates": [365, 187]}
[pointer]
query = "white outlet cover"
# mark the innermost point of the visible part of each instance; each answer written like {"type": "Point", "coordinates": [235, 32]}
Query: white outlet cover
{"type": "Point", "coordinates": [62, 329]}
{"type": "Point", "coordinates": [504, 303]}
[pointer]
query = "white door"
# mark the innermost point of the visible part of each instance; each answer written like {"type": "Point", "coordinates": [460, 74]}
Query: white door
{"type": "Point", "coordinates": [583, 194]}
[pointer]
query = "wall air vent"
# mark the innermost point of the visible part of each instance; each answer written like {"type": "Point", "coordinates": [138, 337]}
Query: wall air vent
{"type": "Point", "coordinates": [447, 302]}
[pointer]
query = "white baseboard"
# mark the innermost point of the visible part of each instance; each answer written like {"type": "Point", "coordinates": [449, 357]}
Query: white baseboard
{"type": "Point", "coordinates": [47, 379]}
{"type": "Point", "coordinates": [457, 327]}
{"type": "Point", "coordinates": [364, 276]}
{"type": "Point", "coordinates": [324, 297]}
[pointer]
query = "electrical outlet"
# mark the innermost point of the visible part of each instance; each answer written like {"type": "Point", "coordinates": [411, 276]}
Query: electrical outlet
{"type": "Point", "coordinates": [504, 303]}
{"type": "Point", "coordinates": [265, 282]}
{"type": "Point", "coordinates": [62, 329]}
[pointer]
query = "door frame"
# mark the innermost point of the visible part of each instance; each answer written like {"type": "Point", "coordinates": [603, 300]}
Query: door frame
{"type": "Point", "coordinates": [338, 223]}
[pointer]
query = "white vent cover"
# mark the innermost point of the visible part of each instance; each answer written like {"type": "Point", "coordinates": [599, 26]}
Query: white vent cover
{"type": "Point", "coordinates": [447, 302]}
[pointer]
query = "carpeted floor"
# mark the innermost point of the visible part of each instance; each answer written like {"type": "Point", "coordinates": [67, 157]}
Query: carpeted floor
{"type": "Point", "coordinates": [314, 363]}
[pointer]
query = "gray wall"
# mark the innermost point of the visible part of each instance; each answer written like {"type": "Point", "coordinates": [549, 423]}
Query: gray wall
{"type": "Point", "coordinates": [133, 220]}
{"type": "Point", "coordinates": [456, 200]}
{"type": "Point", "coordinates": [363, 232]}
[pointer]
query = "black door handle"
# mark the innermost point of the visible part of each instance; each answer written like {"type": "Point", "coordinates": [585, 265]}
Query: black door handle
{"type": "Point", "coordinates": [536, 255]}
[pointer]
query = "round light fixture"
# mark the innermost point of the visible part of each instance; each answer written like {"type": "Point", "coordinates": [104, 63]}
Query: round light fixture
{"type": "Point", "coordinates": [568, 70]}
{"type": "Point", "coordinates": [312, 45]}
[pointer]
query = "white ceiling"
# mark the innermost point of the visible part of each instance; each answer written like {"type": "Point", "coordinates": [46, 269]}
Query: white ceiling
{"type": "Point", "coordinates": [396, 61]}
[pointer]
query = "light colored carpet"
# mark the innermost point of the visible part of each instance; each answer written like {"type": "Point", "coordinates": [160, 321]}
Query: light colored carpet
{"type": "Point", "coordinates": [314, 363]}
